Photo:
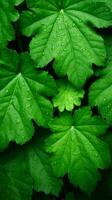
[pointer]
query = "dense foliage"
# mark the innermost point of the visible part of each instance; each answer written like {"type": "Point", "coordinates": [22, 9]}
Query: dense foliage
{"type": "Point", "coordinates": [55, 99]}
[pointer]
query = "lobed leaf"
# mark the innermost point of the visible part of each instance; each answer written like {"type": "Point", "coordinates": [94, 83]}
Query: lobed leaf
{"type": "Point", "coordinates": [76, 149]}
{"type": "Point", "coordinates": [23, 92]}
{"type": "Point", "coordinates": [8, 14]}
{"type": "Point", "coordinates": [64, 31]}
{"type": "Point", "coordinates": [67, 96]}
{"type": "Point", "coordinates": [101, 89]}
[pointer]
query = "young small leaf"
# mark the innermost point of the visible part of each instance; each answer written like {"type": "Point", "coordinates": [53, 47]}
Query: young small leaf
{"type": "Point", "coordinates": [67, 96]}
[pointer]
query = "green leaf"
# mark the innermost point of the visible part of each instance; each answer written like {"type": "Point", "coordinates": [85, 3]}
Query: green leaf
{"type": "Point", "coordinates": [67, 96]}
{"type": "Point", "coordinates": [17, 2]}
{"type": "Point", "coordinates": [76, 148]}
{"type": "Point", "coordinates": [63, 30]}
{"type": "Point", "coordinates": [40, 169]}
{"type": "Point", "coordinates": [15, 182]}
{"type": "Point", "coordinates": [25, 169]}
{"type": "Point", "coordinates": [108, 3]}
{"type": "Point", "coordinates": [101, 95]}
{"type": "Point", "coordinates": [101, 89]}
{"type": "Point", "coordinates": [23, 92]}
{"type": "Point", "coordinates": [8, 14]}
{"type": "Point", "coordinates": [108, 44]}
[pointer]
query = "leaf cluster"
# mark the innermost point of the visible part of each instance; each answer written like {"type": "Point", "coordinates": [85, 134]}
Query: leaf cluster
{"type": "Point", "coordinates": [55, 99]}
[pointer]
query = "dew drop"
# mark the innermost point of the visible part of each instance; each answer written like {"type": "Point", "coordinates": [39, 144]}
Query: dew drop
{"type": "Point", "coordinates": [18, 121]}
{"type": "Point", "coordinates": [23, 137]}
{"type": "Point", "coordinates": [107, 9]}
{"type": "Point", "coordinates": [47, 113]}
{"type": "Point", "coordinates": [52, 47]}
{"type": "Point", "coordinates": [55, 163]}
{"type": "Point", "coordinates": [27, 106]}
{"type": "Point", "coordinates": [62, 44]}
{"type": "Point", "coordinates": [23, 83]}
{"type": "Point", "coordinates": [80, 21]}
{"type": "Point", "coordinates": [29, 99]}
